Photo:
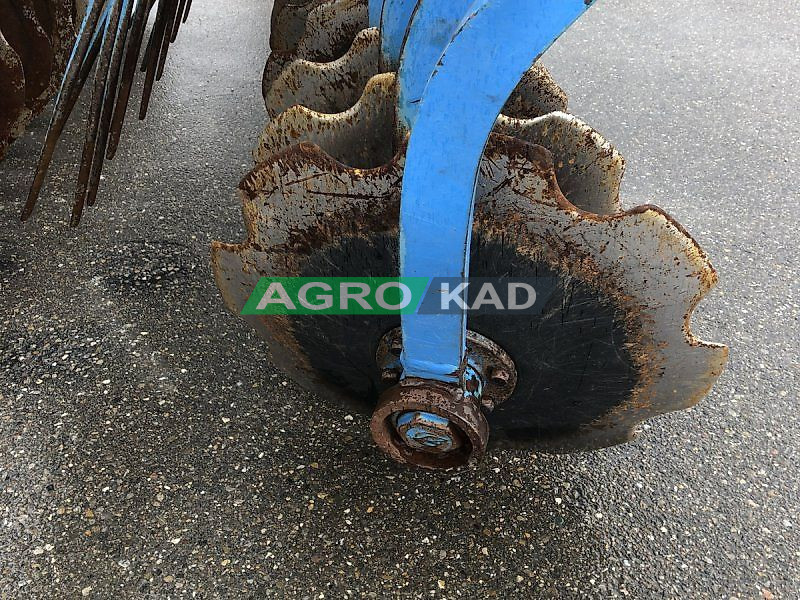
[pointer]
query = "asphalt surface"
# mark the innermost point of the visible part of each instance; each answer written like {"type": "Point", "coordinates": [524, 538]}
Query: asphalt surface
{"type": "Point", "coordinates": [149, 449]}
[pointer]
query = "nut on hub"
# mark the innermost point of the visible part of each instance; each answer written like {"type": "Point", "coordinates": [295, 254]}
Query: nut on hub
{"type": "Point", "coordinates": [428, 432]}
{"type": "Point", "coordinates": [429, 424]}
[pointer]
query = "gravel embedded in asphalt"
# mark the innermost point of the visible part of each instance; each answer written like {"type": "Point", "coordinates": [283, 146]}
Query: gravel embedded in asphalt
{"type": "Point", "coordinates": [149, 449]}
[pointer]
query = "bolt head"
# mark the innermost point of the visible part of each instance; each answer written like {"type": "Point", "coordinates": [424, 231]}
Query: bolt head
{"type": "Point", "coordinates": [428, 432]}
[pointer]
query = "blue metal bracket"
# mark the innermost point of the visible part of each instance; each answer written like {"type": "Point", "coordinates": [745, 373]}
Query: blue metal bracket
{"type": "Point", "coordinates": [493, 45]}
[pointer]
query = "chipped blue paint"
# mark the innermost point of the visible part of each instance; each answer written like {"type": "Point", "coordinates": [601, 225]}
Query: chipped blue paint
{"type": "Point", "coordinates": [395, 18]}
{"type": "Point", "coordinates": [432, 27]}
{"type": "Point", "coordinates": [493, 45]}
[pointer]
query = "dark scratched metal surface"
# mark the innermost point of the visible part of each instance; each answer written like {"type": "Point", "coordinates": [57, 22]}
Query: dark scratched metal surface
{"type": "Point", "coordinates": [147, 451]}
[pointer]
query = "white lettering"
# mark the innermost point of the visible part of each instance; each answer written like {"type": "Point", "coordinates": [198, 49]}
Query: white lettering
{"type": "Point", "coordinates": [346, 295]}
{"type": "Point", "coordinates": [381, 300]}
{"type": "Point", "coordinates": [512, 296]}
{"type": "Point", "coordinates": [283, 297]}
{"type": "Point", "coordinates": [487, 295]}
{"type": "Point", "coordinates": [327, 299]}
{"type": "Point", "coordinates": [455, 295]}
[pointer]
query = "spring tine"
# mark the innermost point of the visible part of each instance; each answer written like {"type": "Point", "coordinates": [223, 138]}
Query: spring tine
{"type": "Point", "coordinates": [177, 24]}
{"type": "Point", "coordinates": [132, 51]}
{"type": "Point", "coordinates": [112, 82]}
{"type": "Point", "coordinates": [170, 23]}
{"type": "Point", "coordinates": [151, 41]}
{"type": "Point", "coordinates": [156, 35]}
{"type": "Point", "coordinates": [93, 124]}
{"type": "Point", "coordinates": [85, 71]}
{"type": "Point", "coordinates": [74, 80]}
{"type": "Point", "coordinates": [188, 8]}
{"type": "Point", "coordinates": [146, 59]}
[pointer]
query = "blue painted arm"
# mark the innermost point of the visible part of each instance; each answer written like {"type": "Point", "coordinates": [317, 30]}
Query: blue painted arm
{"type": "Point", "coordinates": [492, 47]}
{"type": "Point", "coordinates": [375, 10]}
{"type": "Point", "coordinates": [432, 27]}
{"type": "Point", "coordinates": [395, 18]}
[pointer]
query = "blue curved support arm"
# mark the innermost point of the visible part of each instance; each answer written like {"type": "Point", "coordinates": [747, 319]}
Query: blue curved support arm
{"type": "Point", "coordinates": [375, 8]}
{"type": "Point", "coordinates": [432, 27]}
{"type": "Point", "coordinates": [492, 47]}
{"type": "Point", "coordinates": [395, 17]}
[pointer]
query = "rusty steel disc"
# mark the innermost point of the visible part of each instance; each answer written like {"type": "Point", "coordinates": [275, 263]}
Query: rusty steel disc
{"type": "Point", "coordinates": [589, 169]}
{"type": "Point", "coordinates": [288, 22]}
{"type": "Point", "coordinates": [31, 42]}
{"type": "Point", "coordinates": [334, 56]}
{"type": "Point", "coordinates": [36, 37]}
{"type": "Point", "coordinates": [612, 347]}
{"type": "Point", "coordinates": [317, 32]}
{"type": "Point", "coordinates": [12, 95]}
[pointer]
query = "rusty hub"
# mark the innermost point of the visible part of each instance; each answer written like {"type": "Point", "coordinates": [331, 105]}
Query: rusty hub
{"type": "Point", "coordinates": [428, 432]}
{"type": "Point", "coordinates": [434, 424]}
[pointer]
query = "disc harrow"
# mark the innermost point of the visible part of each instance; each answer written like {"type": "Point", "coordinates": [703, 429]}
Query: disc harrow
{"type": "Point", "coordinates": [418, 140]}
{"type": "Point", "coordinates": [364, 171]}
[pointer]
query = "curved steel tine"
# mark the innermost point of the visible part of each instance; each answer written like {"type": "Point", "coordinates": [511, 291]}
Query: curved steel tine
{"type": "Point", "coordinates": [156, 47]}
{"type": "Point", "coordinates": [140, 12]}
{"type": "Point", "coordinates": [151, 40]}
{"type": "Point", "coordinates": [95, 111]}
{"type": "Point", "coordinates": [109, 99]}
{"type": "Point", "coordinates": [172, 18]}
{"type": "Point", "coordinates": [176, 25]}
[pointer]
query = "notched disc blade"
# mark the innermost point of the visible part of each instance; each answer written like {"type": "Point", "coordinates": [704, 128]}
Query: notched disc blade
{"type": "Point", "coordinates": [589, 170]}
{"type": "Point", "coordinates": [31, 68]}
{"type": "Point", "coordinates": [329, 87]}
{"type": "Point", "coordinates": [328, 32]}
{"type": "Point", "coordinates": [288, 23]}
{"type": "Point", "coordinates": [611, 347]}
